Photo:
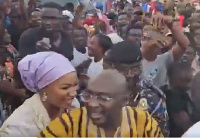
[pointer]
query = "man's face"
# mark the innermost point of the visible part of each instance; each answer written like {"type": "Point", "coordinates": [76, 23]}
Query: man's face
{"type": "Point", "coordinates": [188, 56]}
{"type": "Point", "coordinates": [80, 38]}
{"type": "Point", "coordinates": [67, 27]}
{"type": "Point", "coordinates": [132, 72]}
{"type": "Point", "coordinates": [138, 12]}
{"type": "Point", "coordinates": [195, 28]}
{"type": "Point", "coordinates": [107, 100]}
{"type": "Point", "coordinates": [150, 46]}
{"type": "Point", "coordinates": [94, 48]}
{"type": "Point", "coordinates": [135, 35]}
{"type": "Point", "coordinates": [123, 20]}
{"type": "Point", "coordinates": [182, 81]}
{"type": "Point", "coordinates": [38, 2]}
{"type": "Point", "coordinates": [51, 20]}
{"type": "Point", "coordinates": [168, 4]}
{"type": "Point", "coordinates": [123, 32]}
{"type": "Point", "coordinates": [129, 9]}
{"type": "Point", "coordinates": [36, 18]}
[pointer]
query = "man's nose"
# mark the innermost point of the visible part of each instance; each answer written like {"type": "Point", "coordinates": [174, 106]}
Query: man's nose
{"type": "Point", "coordinates": [184, 55]}
{"type": "Point", "coordinates": [93, 102]}
{"type": "Point", "coordinates": [47, 22]}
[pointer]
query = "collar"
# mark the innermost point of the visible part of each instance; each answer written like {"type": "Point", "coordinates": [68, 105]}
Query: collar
{"type": "Point", "coordinates": [42, 118]}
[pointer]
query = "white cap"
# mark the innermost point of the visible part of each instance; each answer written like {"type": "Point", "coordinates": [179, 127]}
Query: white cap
{"type": "Point", "coordinates": [69, 14]}
{"type": "Point", "coordinates": [129, 1]}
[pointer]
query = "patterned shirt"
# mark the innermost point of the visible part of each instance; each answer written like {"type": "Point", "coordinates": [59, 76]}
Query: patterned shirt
{"type": "Point", "coordinates": [150, 98]}
{"type": "Point", "coordinates": [135, 123]}
{"type": "Point", "coordinates": [7, 51]}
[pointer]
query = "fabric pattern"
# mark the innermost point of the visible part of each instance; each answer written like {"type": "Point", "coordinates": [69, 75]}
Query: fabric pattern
{"type": "Point", "coordinates": [150, 98]}
{"type": "Point", "coordinates": [135, 123]}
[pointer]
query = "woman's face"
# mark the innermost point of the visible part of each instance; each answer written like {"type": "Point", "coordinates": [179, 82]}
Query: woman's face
{"type": "Point", "coordinates": [61, 92]}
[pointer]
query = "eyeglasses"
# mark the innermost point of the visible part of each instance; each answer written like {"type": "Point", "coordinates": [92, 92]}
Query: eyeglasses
{"type": "Point", "coordinates": [86, 97]}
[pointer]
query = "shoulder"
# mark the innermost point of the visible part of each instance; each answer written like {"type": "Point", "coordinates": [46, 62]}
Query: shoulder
{"type": "Point", "coordinates": [167, 55]}
{"type": "Point", "coordinates": [30, 33]}
{"type": "Point", "coordinates": [20, 120]}
{"type": "Point", "coordinates": [193, 131]}
{"type": "Point", "coordinates": [24, 110]}
{"type": "Point", "coordinates": [115, 38]}
{"type": "Point", "coordinates": [138, 113]}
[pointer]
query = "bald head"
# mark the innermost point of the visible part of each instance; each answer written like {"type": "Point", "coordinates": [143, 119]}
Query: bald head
{"type": "Point", "coordinates": [109, 81]}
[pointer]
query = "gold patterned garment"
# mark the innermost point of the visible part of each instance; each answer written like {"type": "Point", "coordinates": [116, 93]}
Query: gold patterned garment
{"type": "Point", "coordinates": [135, 123]}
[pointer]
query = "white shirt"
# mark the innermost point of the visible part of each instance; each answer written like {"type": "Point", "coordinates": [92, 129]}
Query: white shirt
{"type": "Point", "coordinates": [95, 68]}
{"type": "Point", "coordinates": [193, 131]}
{"type": "Point", "coordinates": [195, 66]}
{"type": "Point", "coordinates": [79, 57]}
{"type": "Point", "coordinates": [115, 38]}
{"type": "Point", "coordinates": [28, 120]}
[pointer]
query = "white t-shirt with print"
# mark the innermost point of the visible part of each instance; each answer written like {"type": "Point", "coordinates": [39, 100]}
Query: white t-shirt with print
{"type": "Point", "coordinates": [95, 68]}
{"type": "Point", "coordinates": [157, 70]}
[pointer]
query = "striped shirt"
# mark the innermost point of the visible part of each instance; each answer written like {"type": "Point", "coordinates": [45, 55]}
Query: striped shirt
{"type": "Point", "coordinates": [135, 123]}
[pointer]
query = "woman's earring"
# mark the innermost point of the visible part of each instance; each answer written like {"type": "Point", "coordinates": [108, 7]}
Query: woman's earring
{"type": "Point", "coordinates": [44, 96]}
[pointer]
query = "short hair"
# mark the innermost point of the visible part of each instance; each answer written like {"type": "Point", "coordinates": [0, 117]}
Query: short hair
{"type": "Point", "coordinates": [52, 5]}
{"type": "Point", "coordinates": [136, 19]}
{"type": "Point", "coordinates": [125, 52]}
{"type": "Point", "coordinates": [176, 67]}
{"type": "Point", "coordinates": [35, 12]}
{"type": "Point", "coordinates": [69, 6]}
{"type": "Point", "coordinates": [81, 28]}
{"type": "Point", "coordinates": [122, 13]}
{"type": "Point", "coordinates": [112, 16]}
{"type": "Point", "coordinates": [104, 41]}
{"type": "Point", "coordinates": [134, 26]}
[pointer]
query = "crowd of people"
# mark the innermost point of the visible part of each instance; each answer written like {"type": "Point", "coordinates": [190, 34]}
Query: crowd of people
{"type": "Point", "coordinates": [75, 71]}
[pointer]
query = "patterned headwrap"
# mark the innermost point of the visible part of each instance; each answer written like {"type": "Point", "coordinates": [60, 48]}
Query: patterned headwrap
{"type": "Point", "coordinates": [41, 69]}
